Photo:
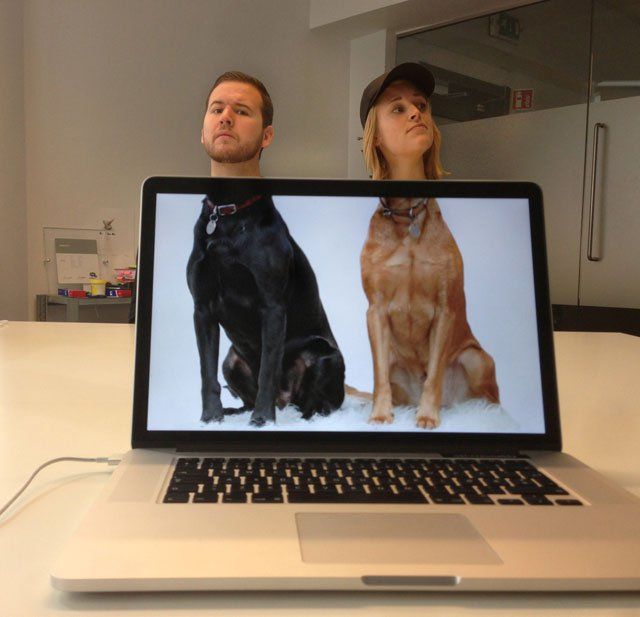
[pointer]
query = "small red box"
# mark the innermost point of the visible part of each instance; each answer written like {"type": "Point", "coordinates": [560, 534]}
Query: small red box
{"type": "Point", "coordinates": [118, 293]}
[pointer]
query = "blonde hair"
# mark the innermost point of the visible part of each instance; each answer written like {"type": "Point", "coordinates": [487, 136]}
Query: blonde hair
{"type": "Point", "coordinates": [377, 165]}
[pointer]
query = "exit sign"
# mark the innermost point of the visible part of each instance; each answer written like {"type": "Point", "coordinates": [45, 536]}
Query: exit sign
{"type": "Point", "coordinates": [504, 26]}
{"type": "Point", "coordinates": [522, 100]}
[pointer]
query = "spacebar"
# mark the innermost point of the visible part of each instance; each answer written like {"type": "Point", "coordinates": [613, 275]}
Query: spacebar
{"type": "Point", "coordinates": [354, 498]}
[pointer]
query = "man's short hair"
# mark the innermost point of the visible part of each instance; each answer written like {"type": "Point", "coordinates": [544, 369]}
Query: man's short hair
{"type": "Point", "coordinates": [267, 104]}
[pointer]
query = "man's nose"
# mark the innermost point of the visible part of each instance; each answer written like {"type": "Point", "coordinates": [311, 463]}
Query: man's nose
{"type": "Point", "coordinates": [226, 116]}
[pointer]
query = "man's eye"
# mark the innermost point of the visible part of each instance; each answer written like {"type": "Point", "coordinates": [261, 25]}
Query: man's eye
{"type": "Point", "coordinates": [242, 112]}
{"type": "Point", "coordinates": [216, 110]}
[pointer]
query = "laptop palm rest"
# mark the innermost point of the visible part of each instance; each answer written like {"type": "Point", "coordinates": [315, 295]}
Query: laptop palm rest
{"type": "Point", "coordinates": [391, 538]}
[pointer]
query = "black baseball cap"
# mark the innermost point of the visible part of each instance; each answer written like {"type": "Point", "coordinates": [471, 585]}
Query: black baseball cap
{"type": "Point", "coordinates": [419, 75]}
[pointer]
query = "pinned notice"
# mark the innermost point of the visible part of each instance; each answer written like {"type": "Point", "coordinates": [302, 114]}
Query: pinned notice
{"type": "Point", "coordinates": [75, 260]}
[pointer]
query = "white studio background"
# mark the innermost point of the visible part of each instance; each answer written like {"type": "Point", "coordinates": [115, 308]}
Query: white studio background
{"type": "Point", "coordinates": [493, 236]}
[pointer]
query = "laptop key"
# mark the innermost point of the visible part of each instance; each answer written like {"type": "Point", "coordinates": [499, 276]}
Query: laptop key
{"type": "Point", "coordinates": [267, 498]}
{"type": "Point", "coordinates": [526, 489]}
{"type": "Point", "coordinates": [475, 499]}
{"type": "Point", "coordinates": [234, 498]}
{"type": "Point", "coordinates": [510, 502]}
{"type": "Point", "coordinates": [555, 490]}
{"type": "Point", "coordinates": [307, 497]}
{"type": "Point", "coordinates": [535, 499]}
{"type": "Point", "coordinates": [446, 499]}
{"type": "Point", "coordinates": [569, 502]}
{"type": "Point", "coordinates": [181, 488]}
{"type": "Point", "coordinates": [205, 498]}
{"type": "Point", "coordinates": [185, 481]}
{"type": "Point", "coordinates": [176, 498]}
{"type": "Point", "coordinates": [181, 477]}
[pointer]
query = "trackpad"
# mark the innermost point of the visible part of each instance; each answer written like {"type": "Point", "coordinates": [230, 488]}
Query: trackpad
{"type": "Point", "coordinates": [391, 538]}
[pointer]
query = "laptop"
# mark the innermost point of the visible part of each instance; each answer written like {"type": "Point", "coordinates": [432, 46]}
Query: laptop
{"type": "Point", "coordinates": [326, 492]}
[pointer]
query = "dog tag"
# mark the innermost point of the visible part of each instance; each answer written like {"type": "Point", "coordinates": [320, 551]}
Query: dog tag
{"type": "Point", "coordinates": [414, 230]}
{"type": "Point", "coordinates": [211, 225]}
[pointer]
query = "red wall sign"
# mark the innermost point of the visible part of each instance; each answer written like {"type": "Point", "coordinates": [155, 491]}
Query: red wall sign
{"type": "Point", "coordinates": [522, 99]}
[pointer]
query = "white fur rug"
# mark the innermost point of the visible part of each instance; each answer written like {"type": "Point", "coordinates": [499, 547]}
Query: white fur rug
{"type": "Point", "coordinates": [475, 415]}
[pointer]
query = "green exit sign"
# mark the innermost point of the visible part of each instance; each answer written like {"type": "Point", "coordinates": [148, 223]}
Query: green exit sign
{"type": "Point", "coordinates": [504, 26]}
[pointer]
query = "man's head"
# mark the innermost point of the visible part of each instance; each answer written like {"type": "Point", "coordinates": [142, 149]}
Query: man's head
{"type": "Point", "coordinates": [237, 123]}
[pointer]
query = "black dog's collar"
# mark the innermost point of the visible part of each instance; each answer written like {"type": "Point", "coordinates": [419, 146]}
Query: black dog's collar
{"type": "Point", "coordinates": [227, 209]}
{"type": "Point", "coordinates": [224, 210]}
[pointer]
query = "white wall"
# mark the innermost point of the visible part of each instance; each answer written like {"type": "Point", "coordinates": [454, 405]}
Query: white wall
{"type": "Point", "coordinates": [115, 92]}
{"type": "Point", "coordinates": [368, 56]}
{"type": "Point", "coordinates": [13, 217]}
{"type": "Point", "coordinates": [323, 12]}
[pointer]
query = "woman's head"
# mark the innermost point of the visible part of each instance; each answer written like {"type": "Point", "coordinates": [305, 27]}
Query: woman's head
{"type": "Point", "coordinates": [399, 133]}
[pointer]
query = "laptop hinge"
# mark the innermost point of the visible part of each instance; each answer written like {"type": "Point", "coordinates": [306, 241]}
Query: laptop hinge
{"type": "Point", "coordinates": [452, 454]}
{"type": "Point", "coordinates": [485, 454]}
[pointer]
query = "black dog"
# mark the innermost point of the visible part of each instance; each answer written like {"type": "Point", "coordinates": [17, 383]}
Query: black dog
{"type": "Point", "coordinates": [247, 274]}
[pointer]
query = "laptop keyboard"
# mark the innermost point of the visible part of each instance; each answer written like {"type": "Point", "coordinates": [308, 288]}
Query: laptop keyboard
{"type": "Point", "coordinates": [509, 482]}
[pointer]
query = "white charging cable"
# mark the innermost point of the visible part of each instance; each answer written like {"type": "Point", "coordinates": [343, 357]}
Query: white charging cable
{"type": "Point", "coordinates": [109, 460]}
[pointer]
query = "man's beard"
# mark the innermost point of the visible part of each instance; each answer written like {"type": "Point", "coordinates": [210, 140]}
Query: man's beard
{"type": "Point", "coordinates": [240, 154]}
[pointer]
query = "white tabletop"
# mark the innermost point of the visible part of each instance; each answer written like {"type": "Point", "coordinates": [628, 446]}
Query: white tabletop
{"type": "Point", "coordinates": [65, 389]}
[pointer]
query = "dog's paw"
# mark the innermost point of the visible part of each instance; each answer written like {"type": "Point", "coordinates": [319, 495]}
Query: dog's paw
{"type": "Point", "coordinates": [212, 415]}
{"type": "Point", "coordinates": [427, 422]}
{"type": "Point", "coordinates": [211, 408]}
{"type": "Point", "coordinates": [259, 419]}
{"type": "Point", "coordinates": [381, 418]}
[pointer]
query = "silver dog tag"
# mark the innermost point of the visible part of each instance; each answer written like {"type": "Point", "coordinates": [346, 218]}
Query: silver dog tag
{"type": "Point", "coordinates": [211, 225]}
{"type": "Point", "coordinates": [414, 230]}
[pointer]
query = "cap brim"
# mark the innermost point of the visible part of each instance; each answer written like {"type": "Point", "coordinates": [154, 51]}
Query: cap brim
{"type": "Point", "coordinates": [420, 76]}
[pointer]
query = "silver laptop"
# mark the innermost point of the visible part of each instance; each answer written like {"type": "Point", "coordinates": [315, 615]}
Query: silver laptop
{"type": "Point", "coordinates": [348, 385]}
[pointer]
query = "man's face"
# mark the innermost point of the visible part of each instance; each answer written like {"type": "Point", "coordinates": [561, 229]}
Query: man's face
{"type": "Point", "coordinates": [232, 130]}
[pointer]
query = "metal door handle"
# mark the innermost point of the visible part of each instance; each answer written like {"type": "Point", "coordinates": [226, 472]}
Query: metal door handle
{"type": "Point", "coordinates": [592, 205]}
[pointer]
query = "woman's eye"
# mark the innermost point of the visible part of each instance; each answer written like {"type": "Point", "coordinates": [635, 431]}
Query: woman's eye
{"type": "Point", "coordinates": [398, 109]}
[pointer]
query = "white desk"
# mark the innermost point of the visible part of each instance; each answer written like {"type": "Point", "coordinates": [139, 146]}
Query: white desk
{"type": "Point", "coordinates": [65, 390]}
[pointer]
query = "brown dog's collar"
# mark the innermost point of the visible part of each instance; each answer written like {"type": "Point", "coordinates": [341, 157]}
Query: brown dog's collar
{"type": "Point", "coordinates": [227, 209]}
{"type": "Point", "coordinates": [409, 213]}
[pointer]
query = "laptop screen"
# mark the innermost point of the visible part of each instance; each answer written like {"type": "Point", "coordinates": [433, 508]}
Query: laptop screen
{"type": "Point", "coordinates": [411, 314]}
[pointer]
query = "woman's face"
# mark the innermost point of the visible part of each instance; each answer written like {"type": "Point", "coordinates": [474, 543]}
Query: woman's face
{"type": "Point", "coordinates": [405, 127]}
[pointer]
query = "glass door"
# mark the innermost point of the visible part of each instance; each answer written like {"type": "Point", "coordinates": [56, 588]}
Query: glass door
{"type": "Point", "coordinates": [511, 101]}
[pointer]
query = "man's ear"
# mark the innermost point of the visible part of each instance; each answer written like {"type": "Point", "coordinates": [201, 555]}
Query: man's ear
{"type": "Point", "coordinates": [267, 136]}
{"type": "Point", "coordinates": [202, 136]}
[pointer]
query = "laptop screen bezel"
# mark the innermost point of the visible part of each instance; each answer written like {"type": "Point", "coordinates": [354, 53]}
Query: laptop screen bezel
{"type": "Point", "coordinates": [336, 442]}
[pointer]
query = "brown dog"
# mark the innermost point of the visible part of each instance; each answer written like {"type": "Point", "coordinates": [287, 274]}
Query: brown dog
{"type": "Point", "coordinates": [424, 353]}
